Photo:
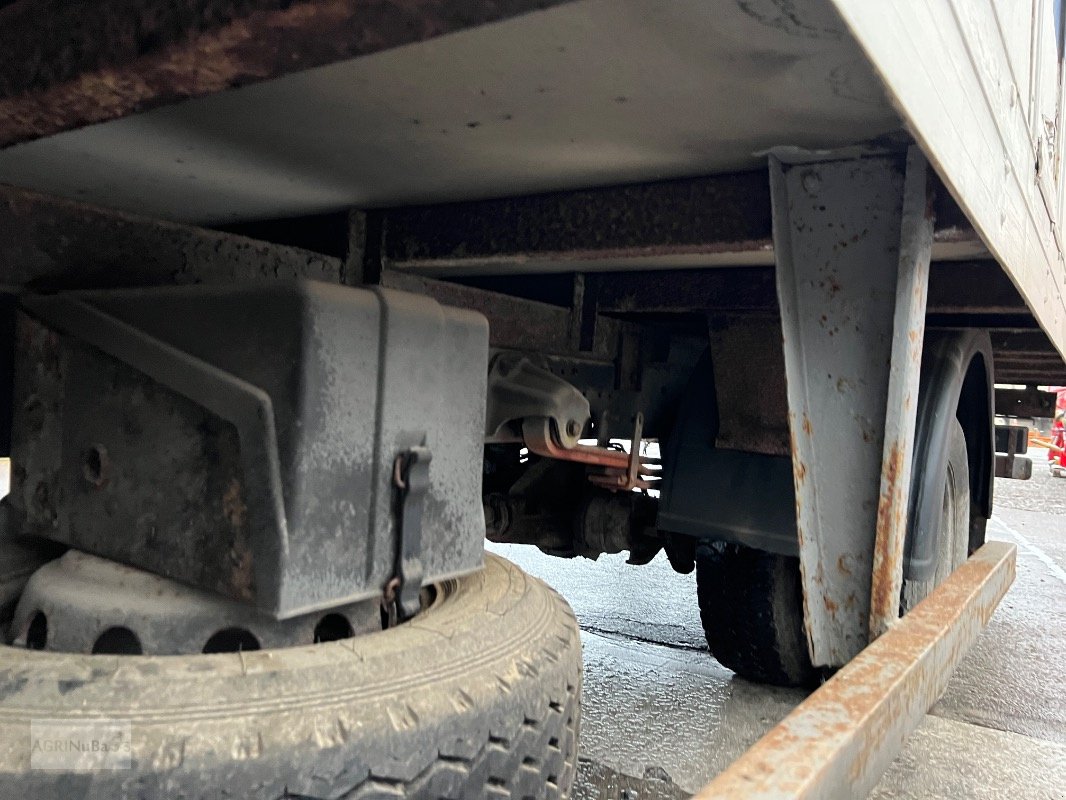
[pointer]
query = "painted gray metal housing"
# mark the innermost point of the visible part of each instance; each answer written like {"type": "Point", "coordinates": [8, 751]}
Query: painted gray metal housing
{"type": "Point", "coordinates": [243, 439]}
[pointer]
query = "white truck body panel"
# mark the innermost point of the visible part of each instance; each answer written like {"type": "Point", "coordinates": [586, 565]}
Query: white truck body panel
{"type": "Point", "coordinates": [955, 70]}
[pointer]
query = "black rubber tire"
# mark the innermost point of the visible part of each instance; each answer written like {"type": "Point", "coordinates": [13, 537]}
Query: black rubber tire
{"type": "Point", "coordinates": [751, 604]}
{"type": "Point", "coordinates": [477, 697]}
{"type": "Point", "coordinates": [954, 536]}
{"type": "Point", "coordinates": [751, 601]}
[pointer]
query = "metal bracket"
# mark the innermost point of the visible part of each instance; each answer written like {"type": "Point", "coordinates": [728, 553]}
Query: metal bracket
{"type": "Point", "coordinates": [852, 238]}
{"type": "Point", "coordinates": [1011, 442]}
{"type": "Point", "coordinates": [518, 388]}
{"type": "Point", "coordinates": [621, 471]}
{"type": "Point", "coordinates": [411, 475]}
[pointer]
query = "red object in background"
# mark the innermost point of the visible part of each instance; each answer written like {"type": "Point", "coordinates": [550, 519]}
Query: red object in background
{"type": "Point", "coordinates": [1057, 451]}
{"type": "Point", "coordinates": [1060, 399]}
{"type": "Point", "coordinates": [1058, 440]}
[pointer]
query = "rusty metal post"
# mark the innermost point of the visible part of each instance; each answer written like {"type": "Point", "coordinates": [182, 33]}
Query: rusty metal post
{"type": "Point", "coordinates": [838, 742]}
{"type": "Point", "coordinates": [837, 228]}
{"type": "Point", "coordinates": [912, 287]}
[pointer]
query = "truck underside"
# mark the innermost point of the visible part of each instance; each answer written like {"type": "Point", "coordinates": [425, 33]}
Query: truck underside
{"type": "Point", "coordinates": [745, 305]}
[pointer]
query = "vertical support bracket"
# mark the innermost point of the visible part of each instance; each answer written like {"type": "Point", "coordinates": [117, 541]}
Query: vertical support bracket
{"type": "Point", "coordinates": [842, 229]}
{"type": "Point", "coordinates": [912, 290]}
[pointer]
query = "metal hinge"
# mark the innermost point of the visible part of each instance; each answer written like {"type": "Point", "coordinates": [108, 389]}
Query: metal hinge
{"type": "Point", "coordinates": [410, 475]}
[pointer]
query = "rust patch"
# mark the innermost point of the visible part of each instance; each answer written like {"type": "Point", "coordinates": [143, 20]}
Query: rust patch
{"type": "Point", "coordinates": [241, 567]}
{"type": "Point", "coordinates": [807, 429]}
{"type": "Point", "coordinates": [883, 603]}
{"type": "Point", "coordinates": [799, 469]}
{"type": "Point", "coordinates": [233, 506]}
{"type": "Point", "coordinates": [854, 724]}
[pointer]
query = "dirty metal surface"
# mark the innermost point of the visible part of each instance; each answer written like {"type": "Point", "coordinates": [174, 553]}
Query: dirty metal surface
{"type": "Point", "coordinates": [68, 65]}
{"type": "Point", "coordinates": [676, 218]}
{"type": "Point", "coordinates": [51, 243]}
{"type": "Point", "coordinates": [1022, 343]}
{"type": "Point", "coordinates": [749, 382]}
{"type": "Point", "coordinates": [908, 334]}
{"type": "Point", "coordinates": [514, 323]}
{"type": "Point", "coordinates": [519, 388]}
{"type": "Point", "coordinates": [229, 453]}
{"type": "Point", "coordinates": [719, 219]}
{"type": "Point", "coordinates": [567, 97]}
{"type": "Point", "coordinates": [837, 237]}
{"type": "Point", "coordinates": [79, 454]}
{"type": "Point", "coordinates": [838, 741]}
{"type": "Point", "coordinates": [1014, 467]}
{"type": "Point", "coordinates": [1031, 375]}
{"type": "Point", "coordinates": [957, 289]}
{"type": "Point", "coordinates": [1027, 402]}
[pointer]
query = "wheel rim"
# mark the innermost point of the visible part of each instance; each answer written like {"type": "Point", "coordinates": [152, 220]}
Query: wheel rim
{"type": "Point", "coordinates": [80, 603]}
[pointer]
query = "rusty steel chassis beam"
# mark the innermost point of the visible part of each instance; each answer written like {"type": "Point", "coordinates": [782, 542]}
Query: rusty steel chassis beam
{"type": "Point", "coordinates": [629, 241]}
{"type": "Point", "coordinates": [50, 243]}
{"type": "Point", "coordinates": [1027, 403]}
{"type": "Point", "coordinates": [838, 742]}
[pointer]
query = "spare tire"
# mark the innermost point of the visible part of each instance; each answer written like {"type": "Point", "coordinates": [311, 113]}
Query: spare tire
{"type": "Point", "coordinates": [478, 696]}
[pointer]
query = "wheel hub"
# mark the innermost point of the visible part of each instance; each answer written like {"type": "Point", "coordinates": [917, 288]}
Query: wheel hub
{"type": "Point", "coordinates": [80, 603]}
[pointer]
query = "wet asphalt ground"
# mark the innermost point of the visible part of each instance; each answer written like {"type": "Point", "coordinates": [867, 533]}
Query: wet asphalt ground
{"type": "Point", "coordinates": [662, 717]}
